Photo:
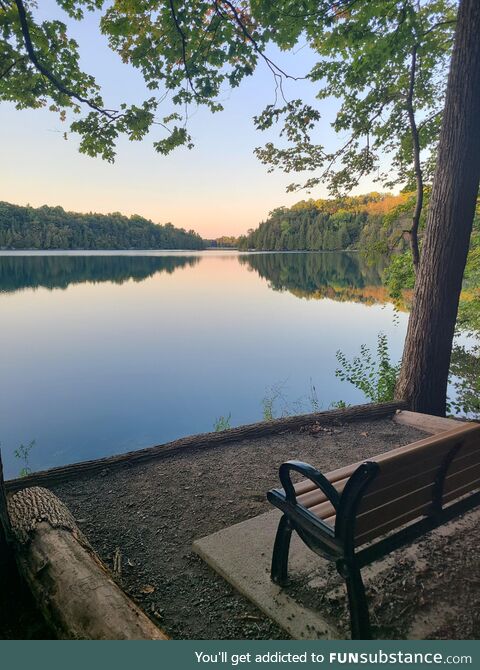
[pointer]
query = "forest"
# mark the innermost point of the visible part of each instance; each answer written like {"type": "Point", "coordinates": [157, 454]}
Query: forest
{"type": "Point", "coordinates": [356, 222]}
{"type": "Point", "coordinates": [54, 228]}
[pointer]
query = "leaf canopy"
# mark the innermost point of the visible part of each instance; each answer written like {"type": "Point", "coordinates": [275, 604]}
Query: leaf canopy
{"type": "Point", "coordinates": [190, 51]}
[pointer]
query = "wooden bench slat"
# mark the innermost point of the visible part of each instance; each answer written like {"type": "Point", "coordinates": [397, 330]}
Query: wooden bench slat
{"type": "Point", "coordinates": [427, 422]}
{"type": "Point", "coordinates": [315, 497]}
{"type": "Point", "coordinates": [469, 454]}
{"type": "Point", "coordinates": [373, 518]}
{"type": "Point", "coordinates": [411, 515]}
{"type": "Point", "coordinates": [407, 483]}
{"type": "Point", "coordinates": [403, 489]}
{"type": "Point", "coordinates": [463, 478]}
{"type": "Point", "coordinates": [412, 489]}
{"type": "Point", "coordinates": [376, 497]}
{"type": "Point", "coordinates": [435, 446]}
{"type": "Point", "coordinates": [428, 446]}
{"type": "Point", "coordinates": [419, 468]}
{"type": "Point", "coordinates": [408, 491]}
{"type": "Point", "coordinates": [410, 486]}
{"type": "Point", "coordinates": [456, 485]}
{"type": "Point", "coordinates": [323, 510]}
{"type": "Point", "coordinates": [384, 506]}
{"type": "Point", "coordinates": [390, 524]}
{"type": "Point", "coordinates": [334, 476]}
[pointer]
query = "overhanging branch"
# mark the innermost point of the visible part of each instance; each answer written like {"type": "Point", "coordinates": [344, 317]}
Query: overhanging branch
{"type": "Point", "coordinates": [59, 85]}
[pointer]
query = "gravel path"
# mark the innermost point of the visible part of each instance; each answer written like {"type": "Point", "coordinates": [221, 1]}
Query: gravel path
{"type": "Point", "coordinates": [152, 512]}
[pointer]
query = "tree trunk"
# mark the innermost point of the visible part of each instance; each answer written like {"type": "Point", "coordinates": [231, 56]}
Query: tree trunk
{"type": "Point", "coordinates": [5, 530]}
{"type": "Point", "coordinates": [416, 164]}
{"type": "Point", "coordinates": [5, 533]}
{"type": "Point", "coordinates": [428, 345]}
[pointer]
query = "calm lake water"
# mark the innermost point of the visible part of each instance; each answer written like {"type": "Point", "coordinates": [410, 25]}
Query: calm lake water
{"type": "Point", "coordinates": [105, 352]}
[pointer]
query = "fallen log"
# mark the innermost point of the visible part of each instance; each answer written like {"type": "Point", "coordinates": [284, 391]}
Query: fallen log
{"type": "Point", "coordinates": [71, 586]}
{"type": "Point", "coordinates": [222, 438]}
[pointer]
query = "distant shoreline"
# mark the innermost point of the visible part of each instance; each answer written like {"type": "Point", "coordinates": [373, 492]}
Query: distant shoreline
{"type": "Point", "coordinates": [164, 252]}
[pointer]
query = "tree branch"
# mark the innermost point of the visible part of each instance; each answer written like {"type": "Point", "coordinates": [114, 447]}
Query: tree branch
{"type": "Point", "coordinates": [184, 45]}
{"type": "Point", "coordinates": [273, 66]}
{"type": "Point", "coordinates": [416, 162]}
{"type": "Point", "coordinates": [10, 67]}
{"type": "Point", "coordinates": [436, 25]}
{"type": "Point", "coordinates": [22, 15]}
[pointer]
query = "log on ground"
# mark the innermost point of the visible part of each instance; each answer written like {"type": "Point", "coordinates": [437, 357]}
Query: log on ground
{"type": "Point", "coordinates": [72, 587]}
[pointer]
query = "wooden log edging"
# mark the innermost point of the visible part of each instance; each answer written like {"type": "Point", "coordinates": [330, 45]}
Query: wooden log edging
{"type": "Point", "coordinates": [71, 586]}
{"type": "Point", "coordinates": [204, 440]}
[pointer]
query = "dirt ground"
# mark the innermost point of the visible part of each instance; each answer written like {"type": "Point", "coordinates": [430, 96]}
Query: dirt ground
{"type": "Point", "coordinates": [150, 514]}
{"type": "Point", "coordinates": [429, 590]}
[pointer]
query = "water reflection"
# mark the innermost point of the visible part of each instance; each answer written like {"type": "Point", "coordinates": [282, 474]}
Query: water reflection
{"type": "Point", "coordinates": [110, 365]}
{"type": "Point", "coordinates": [338, 276]}
{"type": "Point", "coordinates": [51, 272]}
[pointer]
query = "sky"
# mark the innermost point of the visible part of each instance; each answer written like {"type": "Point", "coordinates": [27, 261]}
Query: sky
{"type": "Point", "coordinates": [217, 188]}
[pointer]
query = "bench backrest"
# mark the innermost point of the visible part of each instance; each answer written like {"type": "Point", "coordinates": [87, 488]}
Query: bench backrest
{"type": "Point", "coordinates": [404, 488]}
{"type": "Point", "coordinates": [410, 478]}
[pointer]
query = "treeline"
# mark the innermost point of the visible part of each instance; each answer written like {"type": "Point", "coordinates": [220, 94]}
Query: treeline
{"type": "Point", "coordinates": [332, 225]}
{"type": "Point", "coordinates": [54, 228]}
{"type": "Point", "coordinates": [224, 242]}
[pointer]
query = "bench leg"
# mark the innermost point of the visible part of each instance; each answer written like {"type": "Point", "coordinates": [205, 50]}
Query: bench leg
{"type": "Point", "coordinates": [281, 548]}
{"type": "Point", "coordinates": [357, 601]}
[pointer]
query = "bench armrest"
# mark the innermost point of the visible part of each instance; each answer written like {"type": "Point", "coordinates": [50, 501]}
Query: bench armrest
{"type": "Point", "coordinates": [311, 473]}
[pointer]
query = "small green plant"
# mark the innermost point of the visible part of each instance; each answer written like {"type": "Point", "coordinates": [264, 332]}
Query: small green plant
{"type": "Point", "coordinates": [23, 454]}
{"type": "Point", "coordinates": [313, 397]}
{"type": "Point", "coordinates": [273, 394]}
{"type": "Point", "coordinates": [376, 375]}
{"type": "Point", "coordinates": [268, 408]}
{"type": "Point", "coordinates": [276, 404]}
{"type": "Point", "coordinates": [222, 423]}
{"type": "Point", "coordinates": [338, 404]}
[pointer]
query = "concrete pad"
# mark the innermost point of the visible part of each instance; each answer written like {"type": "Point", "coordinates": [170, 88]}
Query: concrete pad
{"type": "Point", "coordinates": [241, 554]}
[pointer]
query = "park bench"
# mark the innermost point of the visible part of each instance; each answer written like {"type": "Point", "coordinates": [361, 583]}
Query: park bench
{"type": "Point", "coordinates": [360, 513]}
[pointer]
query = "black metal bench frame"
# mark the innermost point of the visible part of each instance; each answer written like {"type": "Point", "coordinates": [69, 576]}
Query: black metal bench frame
{"type": "Point", "coordinates": [338, 544]}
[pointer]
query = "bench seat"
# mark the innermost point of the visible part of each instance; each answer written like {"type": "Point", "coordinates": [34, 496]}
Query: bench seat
{"type": "Point", "coordinates": [361, 512]}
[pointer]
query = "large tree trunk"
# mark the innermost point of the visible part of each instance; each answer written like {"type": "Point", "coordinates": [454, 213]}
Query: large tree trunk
{"type": "Point", "coordinates": [6, 553]}
{"type": "Point", "coordinates": [428, 345]}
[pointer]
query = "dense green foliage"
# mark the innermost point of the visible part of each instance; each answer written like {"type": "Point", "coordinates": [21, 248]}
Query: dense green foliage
{"type": "Point", "coordinates": [223, 242]}
{"type": "Point", "coordinates": [381, 60]}
{"type": "Point", "coordinates": [329, 225]}
{"type": "Point", "coordinates": [306, 229]}
{"type": "Point", "coordinates": [399, 275]}
{"type": "Point", "coordinates": [54, 228]}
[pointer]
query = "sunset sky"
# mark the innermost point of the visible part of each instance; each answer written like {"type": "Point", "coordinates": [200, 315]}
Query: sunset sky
{"type": "Point", "coordinates": [218, 188]}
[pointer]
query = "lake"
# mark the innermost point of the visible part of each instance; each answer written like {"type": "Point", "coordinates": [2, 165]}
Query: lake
{"type": "Point", "coordinates": [107, 352]}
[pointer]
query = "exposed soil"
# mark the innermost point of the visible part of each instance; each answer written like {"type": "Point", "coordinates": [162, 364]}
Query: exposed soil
{"type": "Point", "coordinates": [429, 590]}
{"type": "Point", "coordinates": [150, 513]}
